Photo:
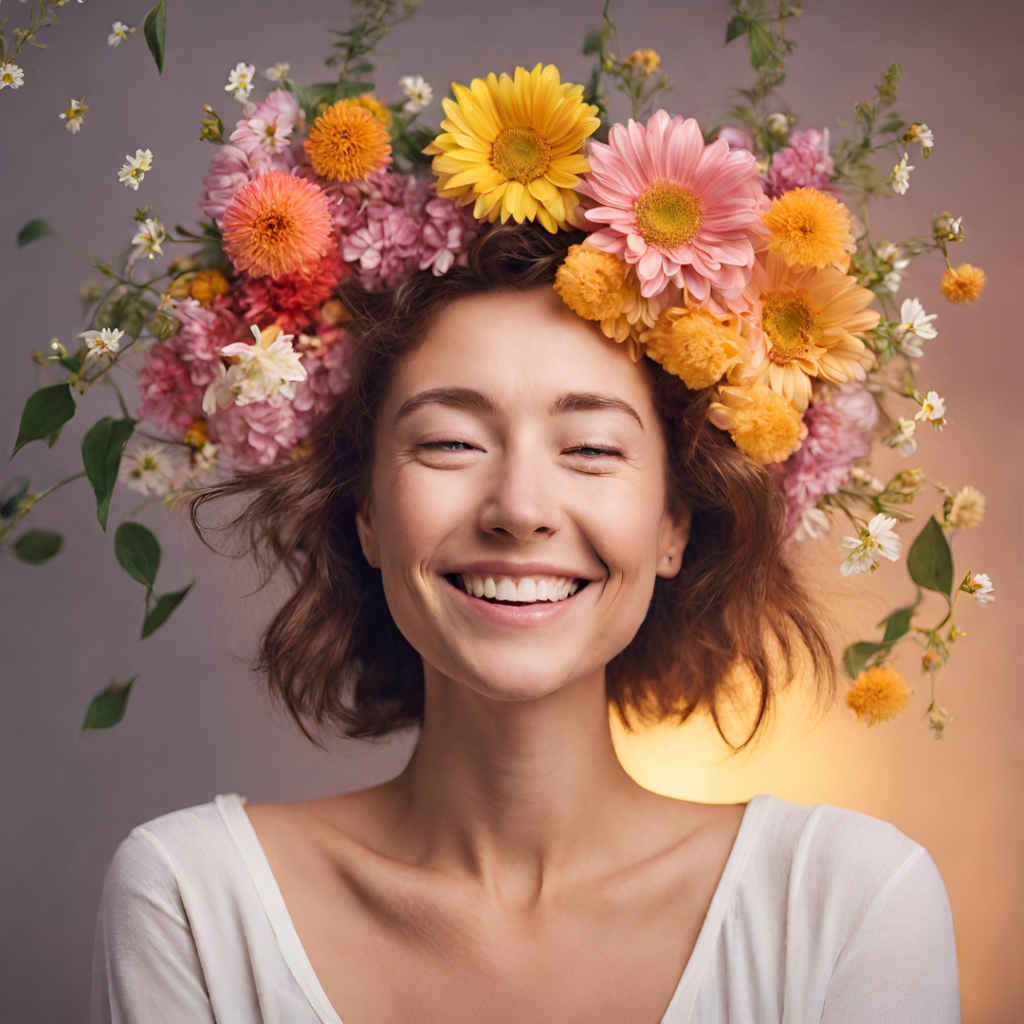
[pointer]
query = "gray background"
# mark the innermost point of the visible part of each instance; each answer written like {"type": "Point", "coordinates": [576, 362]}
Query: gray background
{"type": "Point", "coordinates": [199, 723]}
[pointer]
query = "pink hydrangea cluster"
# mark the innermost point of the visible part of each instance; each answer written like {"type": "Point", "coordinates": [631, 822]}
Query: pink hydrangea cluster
{"type": "Point", "coordinates": [839, 432]}
{"type": "Point", "coordinates": [393, 224]}
{"type": "Point", "coordinates": [258, 144]}
{"type": "Point", "coordinates": [804, 163]}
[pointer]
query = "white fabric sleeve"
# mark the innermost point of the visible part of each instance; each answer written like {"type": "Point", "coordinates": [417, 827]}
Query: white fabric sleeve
{"type": "Point", "coordinates": [900, 965]}
{"type": "Point", "coordinates": [146, 969]}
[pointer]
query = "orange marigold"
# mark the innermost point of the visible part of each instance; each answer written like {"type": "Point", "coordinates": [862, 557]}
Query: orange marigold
{"type": "Point", "coordinates": [347, 142]}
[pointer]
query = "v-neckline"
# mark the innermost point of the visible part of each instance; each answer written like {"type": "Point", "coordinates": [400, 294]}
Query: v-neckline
{"type": "Point", "coordinates": [680, 1005]}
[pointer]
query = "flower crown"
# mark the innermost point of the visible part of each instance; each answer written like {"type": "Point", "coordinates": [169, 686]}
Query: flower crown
{"type": "Point", "coordinates": [728, 254]}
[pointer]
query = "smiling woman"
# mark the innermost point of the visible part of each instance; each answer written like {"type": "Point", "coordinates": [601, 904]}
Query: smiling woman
{"type": "Point", "coordinates": [506, 526]}
{"type": "Point", "coordinates": [480, 397]}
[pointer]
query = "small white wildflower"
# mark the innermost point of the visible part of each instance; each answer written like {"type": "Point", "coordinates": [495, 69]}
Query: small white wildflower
{"type": "Point", "coordinates": [132, 173]}
{"type": "Point", "coordinates": [147, 240]}
{"type": "Point", "coordinates": [419, 93]}
{"type": "Point", "coordinates": [74, 114]}
{"type": "Point", "coordinates": [967, 510]}
{"type": "Point", "coordinates": [903, 440]}
{"type": "Point", "coordinates": [980, 587]}
{"type": "Point", "coordinates": [876, 540]}
{"type": "Point", "coordinates": [919, 132]}
{"type": "Point", "coordinates": [240, 80]}
{"type": "Point", "coordinates": [933, 409]}
{"type": "Point", "coordinates": [914, 320]}
{"type": "Point", "coordinates": [778, 123]}
{"type": "Point", "coordinates": [11, 76]}
{"type": "Point", "coordinates": [865, 477]}
{"type": "Point", "coordinates": [892, 280]}
{"type": "Point", "coordinates": [938, 719]}
{"type": "Point", "coordinates": [900, 179]}
{"type": "Point", "coordinates": [102, 343]}
{"type": "Point", "coordinates": [120, 33]}
{"type": "Point", "coordinates": [893, 255]}
{"type": "Point", "coordinates": [149, 469]}
{"type": "Point", "coordinates": [814, 523]}
{"type": "Point", "coordinates": [278, 73]}
{"type": "Point", "coordinates": [269, 367]}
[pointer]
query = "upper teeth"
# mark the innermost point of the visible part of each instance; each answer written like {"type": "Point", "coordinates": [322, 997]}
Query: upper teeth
{"type": "Point", "coordinates": [522, 588]}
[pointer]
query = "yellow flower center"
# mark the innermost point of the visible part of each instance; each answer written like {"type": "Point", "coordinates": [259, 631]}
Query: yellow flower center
{"type": "Point", "coordinates": [520, 154]}
{"type": "Point", "coordinates": [791, 325]}
{"type": "Point", "coordinates": [669, 215]}
{"type": "Point", "coordinates": [271, 229]}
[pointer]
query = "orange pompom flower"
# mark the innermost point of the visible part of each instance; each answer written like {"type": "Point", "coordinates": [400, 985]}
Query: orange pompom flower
{"type": "Point", "coordinates": [964, 284]}
{"type": "Point", "coordinates": [277, 224]}
{"type": "Point", "coordinates": [347, 142]}
{"type": "Point", "coordinates": [878, 693]}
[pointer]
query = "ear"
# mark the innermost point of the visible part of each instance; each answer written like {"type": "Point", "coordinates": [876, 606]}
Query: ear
{"type": "Point", "coordinates": [672, 541]}
{"type": "Point", "coordinates": [367, 532]}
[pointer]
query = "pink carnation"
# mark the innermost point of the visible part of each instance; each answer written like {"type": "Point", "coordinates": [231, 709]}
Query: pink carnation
{"type": "Point", "coordinates": [267, 131]}
{"type": "Point", "coordinates": [804, 163]}
{"type": "Point", "coordinates": [839, 432]}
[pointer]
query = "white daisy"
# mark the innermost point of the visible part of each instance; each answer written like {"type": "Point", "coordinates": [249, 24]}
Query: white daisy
{"type": "Point", "coordinates": [11, 76]}
{"type": "Point", "coordinates": [147, 241]}
{"type": "Point", "coordinates": [903, 440]}
{"type": "Point", "coordinates": [933, 409]}
{"type": "Point", "coordinates": [814, 523]}
{"type": "Point", "coordinates": [120, 33]}
{"type": "Point", "coordinates": [980, 588]}
{"type": "Point", "coordinates": [240, 81]}
{"type": "Point", "coordinates": [278, 73]}
{"type": "Point", "coordinates": [900, 179]}
{"type": "Point", "coordinates": [102, 343]}
{"type": "Point", "coordinates": [419, 92]}
{"type": "Point", "coordinates": [866, 478]}
{"type": "Point", "coordinates": [269, 367]}
{"type": "Point", "coordinates": [74, 114]}
{"type": "Point", "coordinates": [919, 132]}
{"type": "Point", "coordinates": [876, 540]}
{"type": "Point", "coordinates": [135, 170]}
{"type": "Point", "coordinates": [148, 469]}
{"type": "Point", "coordinates": [914, 320]}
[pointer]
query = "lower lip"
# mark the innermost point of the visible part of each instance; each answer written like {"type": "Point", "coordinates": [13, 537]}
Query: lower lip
{"type": "Point", "coordinates": [538, 614]}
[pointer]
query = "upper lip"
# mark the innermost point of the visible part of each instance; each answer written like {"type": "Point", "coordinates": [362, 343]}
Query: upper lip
{"type": "Point", "coordinates": [496, 568]}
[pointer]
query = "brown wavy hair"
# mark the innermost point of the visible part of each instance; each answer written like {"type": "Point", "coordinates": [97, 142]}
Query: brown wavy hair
{"type": "Point", "coordinates": [333, 654]}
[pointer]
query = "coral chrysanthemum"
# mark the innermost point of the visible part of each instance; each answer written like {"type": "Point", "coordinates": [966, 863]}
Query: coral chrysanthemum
{"type": "Point", "coordinates": [513, 147]}
{"type": "Point", "coordinates": [878, 693]}
{"type": "Point", "coordinates": [693, 344]}
{"type": "Point", "coordinates": [678, 210]}
{"type": "Point", "coordinates": [810, 229]}
{"type": "Point", "coordinates": [806, 323]}
{"type": "Point", "coordinates": [761, 423]}
{"type": "Point", "coordinates": [347, 142]}
{"type": "Point", "coordinates": [277, 224]}
{"type": "Point", "coordinates": [964, 284]}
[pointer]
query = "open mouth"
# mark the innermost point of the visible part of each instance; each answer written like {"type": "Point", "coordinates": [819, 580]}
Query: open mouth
{"type": "Point", "coordinates": [455, 581]}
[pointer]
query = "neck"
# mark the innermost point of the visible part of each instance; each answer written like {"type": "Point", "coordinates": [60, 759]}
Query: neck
{"type": "Point", "coordinates": [519, 794]}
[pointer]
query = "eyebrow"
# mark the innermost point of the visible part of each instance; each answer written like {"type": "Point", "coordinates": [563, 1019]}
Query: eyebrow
{"type": "Point", "coordinates": [476, 401]}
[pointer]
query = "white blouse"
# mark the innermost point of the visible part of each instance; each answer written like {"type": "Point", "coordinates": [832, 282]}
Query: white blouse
{"type": "Point", "coordinates": [821, 914]}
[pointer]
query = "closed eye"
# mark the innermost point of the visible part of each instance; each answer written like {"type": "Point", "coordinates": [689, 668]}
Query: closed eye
{"type": "Point", "coordinates": [443, 446]}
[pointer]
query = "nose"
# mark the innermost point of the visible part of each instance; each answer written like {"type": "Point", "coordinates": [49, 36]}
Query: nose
{"type": "Point", "coordinates": [523, 497]}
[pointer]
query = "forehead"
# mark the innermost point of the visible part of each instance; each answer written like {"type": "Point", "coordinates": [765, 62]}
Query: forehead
{"type": "Point", "coordinates": [522, 350]}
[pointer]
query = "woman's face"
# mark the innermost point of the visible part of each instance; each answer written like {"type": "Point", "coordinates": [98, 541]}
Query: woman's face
{"type": "Point", "coordinates": [539, 455]}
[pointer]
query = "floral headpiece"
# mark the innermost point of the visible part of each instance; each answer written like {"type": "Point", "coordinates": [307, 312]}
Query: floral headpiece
{"type": "Point", "coordinates": [727, 253]}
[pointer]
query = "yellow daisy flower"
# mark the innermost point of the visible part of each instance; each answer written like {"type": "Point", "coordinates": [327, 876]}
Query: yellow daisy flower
{"type": "Point", "coordinates": [513, 147]}
{"type": "Point", "coordinates": [808, 323]}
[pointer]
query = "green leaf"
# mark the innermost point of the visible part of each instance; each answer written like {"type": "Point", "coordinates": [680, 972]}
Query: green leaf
{"type": "Point", "coordinates": [897, 624]}
{"type": "Point", "coordinates": [592, 42]}
{"type": "Point", "coordinates": [162, 609]}
{"type": "Point", "coordinates": [735, 28]}
{"type": "Point", "coordinates": [930, 562]}
{"type": "Point", "coordinates": [101, 455]}
{"type": "Point", "coordinates": [760, 44]}
{"type": "Point", "coordinates": [107, 707]}
{"type": "Point", "coordinates": [857, 655]}
{"type": "Point", "coordinates": [37, 546]}
{"type": "Point", "coordinates": [33, 231]}
{"type": "Point", "coordinates": [155, 30]}
{"type": "Point", "coordinates": [46, 411]}
{"type": "Point", "coordinates": [138, 553]}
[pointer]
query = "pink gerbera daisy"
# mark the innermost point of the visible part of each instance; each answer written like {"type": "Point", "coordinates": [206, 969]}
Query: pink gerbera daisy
{"type": "Point", "coordinates": [677, 209]}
